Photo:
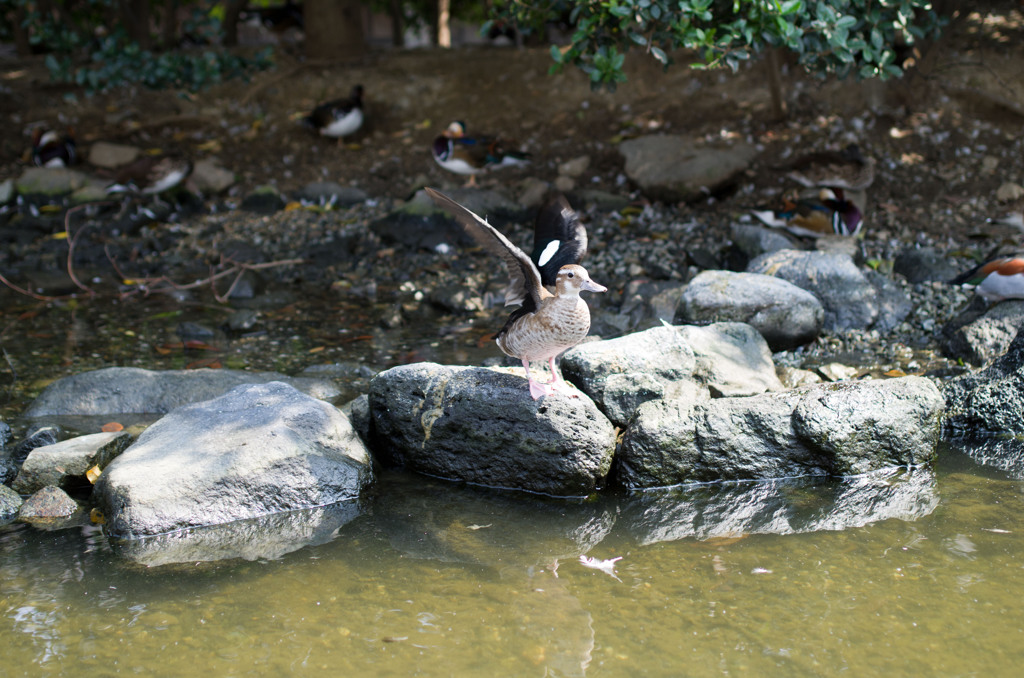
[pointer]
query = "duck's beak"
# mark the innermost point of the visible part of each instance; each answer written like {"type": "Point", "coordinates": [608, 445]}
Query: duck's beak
{"type": "Point", "coordinates": [591, 286]}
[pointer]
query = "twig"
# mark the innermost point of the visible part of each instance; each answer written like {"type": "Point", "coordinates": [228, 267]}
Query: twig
{"type": "Point", "coordinates": [29, 293]}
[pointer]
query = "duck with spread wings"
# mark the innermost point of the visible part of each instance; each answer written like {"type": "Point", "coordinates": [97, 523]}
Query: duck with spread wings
{"type": "Point", "coordinates": [545, 324]}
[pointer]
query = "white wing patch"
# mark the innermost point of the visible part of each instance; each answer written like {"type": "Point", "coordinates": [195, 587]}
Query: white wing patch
{"type": "Point", "coordinates": [549, 252]}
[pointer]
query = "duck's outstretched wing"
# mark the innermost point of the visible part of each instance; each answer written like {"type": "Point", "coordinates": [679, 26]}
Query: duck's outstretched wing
{"type": "Point", "coordinates": [559, 238]}
{"type": "Point", "coordinates": [524, 278]}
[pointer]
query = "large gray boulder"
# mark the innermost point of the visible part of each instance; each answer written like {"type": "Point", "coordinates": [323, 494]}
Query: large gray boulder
{"type": "Point", "coordinates": [256, 450]}
{"type": "Point", "coordinates": [672, 168]}
{"type": "Point", "coordinates": [65, 464]}
{"type": "Point", "coordinates": [826, 430]}
{"type": "Point", "coordinates": [709, 510]}
{"type": "Point", "coordinates": [674, 362]}
{"type": "Point", "coordinates": [785, 315]}
{"type": "Point", "coordinates": [848, 297]}
{"type": "Point", "coordinates": [481, 426]}
{"type": "Point", "coordinates": [117, 390]}
{"type": "Point", "coordinates": [990, 401]}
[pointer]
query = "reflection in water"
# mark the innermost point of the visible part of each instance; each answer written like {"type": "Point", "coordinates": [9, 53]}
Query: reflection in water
{"type": "Point", "coordinates": [779, 507]}
{"type": "Point", "coordinates": [436, 578]}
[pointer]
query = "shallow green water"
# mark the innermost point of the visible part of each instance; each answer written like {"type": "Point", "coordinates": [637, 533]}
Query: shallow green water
{"type": "Point", "coordinates": [435, 579]}
{"type": "Point", "coordinates": [417, 585]}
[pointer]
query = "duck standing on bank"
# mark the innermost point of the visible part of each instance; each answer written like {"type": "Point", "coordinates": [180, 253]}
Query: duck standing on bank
{"type": "Point", "coordinates": [545, 324]}
{"type": "Point", "coordinates": [339, 118]}
{"type": "Point", "coordinates": [457, 152]}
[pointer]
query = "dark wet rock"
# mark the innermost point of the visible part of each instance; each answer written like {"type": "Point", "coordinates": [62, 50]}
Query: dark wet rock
{"type": "Point", "coordinates": [672, 168]}
{"type": "Point", "coordinates": [188, 330]}
{"type": "Point", "coordinates": [1003, 452]}
{"type": "Point", "coordinates": [709, 510]}
{"type": "Point", "coordinates": [893, 303]}
{"type": "Point", "coordinates": [824, 430]}
{"type": "Point", "coordinates": [65, 464]}
{"type": "Point", "coordinates": [248, 285]}
{"type": "Point", "coordinates": [260, 538]}
{"type": "Point", "coordinates": [242, 320]}
{"type": "Point", "coordinates": [8, 464]}
{"type": "Point", "coordinates": [416, 227]}
{"type": "Point", "coordinates": [753, 241]}
{"type": "Point", "coordinates": [358, 412]}
{"type": "Point", "coordinates": [263, 200]}
{"type": "Point", "coordinates": [457, 523]}
{"type": "Point", "coordinates": [256, 450]}
{"type": "Point", "coordinates": [848, 297]}
{"type": "Point", "coordinates": [785, 315]}
{"type": "Point", "coordinates": [481, 426]}
{"type": "Point", "coordinates": [10, 504]}
{"type": "Point", "coordinates": [456, 298]}
{"type": "Point", "coordinates": [982, 333]}
{"type": "Point", "coordinates": [48, 503]}
{"type": "Point", "coordinates": [35, 436]}
{"type": "Point", "coordinates": [47, 184]}
{"type": "Point", "coordinates": [114, 390]}
{"type": "Point", "coordinates": [332, 193]}
{"type": "Point", "coordinates": [990, 401]}
{"type": "Point", "coordinates": [599, 200]}
{"type": "Point", "coordinates": [924, 264]}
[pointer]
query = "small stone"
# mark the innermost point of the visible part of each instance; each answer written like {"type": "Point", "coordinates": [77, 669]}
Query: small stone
{"type": "Point", "coordinates": [1009, 192]}
{"type": "Point", "coordinates": [109, 155]}
{"type": "Point", "coordinates": [575, 168]}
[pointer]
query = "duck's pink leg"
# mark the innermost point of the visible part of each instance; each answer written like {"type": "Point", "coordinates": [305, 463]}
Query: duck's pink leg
{"type": "Point", "coordinates": [537, 388]}
{"type": "Point", "coordinates": [557, 384]}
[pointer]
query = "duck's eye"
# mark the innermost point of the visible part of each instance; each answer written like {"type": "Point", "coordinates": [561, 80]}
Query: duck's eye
{"type": "Point", "coordinates": [571, 274]}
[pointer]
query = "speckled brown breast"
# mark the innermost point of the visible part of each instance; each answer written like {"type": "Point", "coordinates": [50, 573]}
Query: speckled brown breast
{"type": "Point", "coordinates": [559, 324]}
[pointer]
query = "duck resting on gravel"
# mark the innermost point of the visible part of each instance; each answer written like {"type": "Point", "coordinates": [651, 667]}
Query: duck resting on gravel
{"type": "Point", "coordinates": [456, 152]}
{"type": "Point", "coordinates": [830, 213]}
{"type": "Point", "coordinates": [999, 277]}
{"type": "Point", "coordinates": [545, 324]}
{"type": "Point", "coordinates": [339, 118]}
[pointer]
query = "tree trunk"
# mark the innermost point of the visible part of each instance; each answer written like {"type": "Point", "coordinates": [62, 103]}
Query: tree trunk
{"type": "Point", "coordinates": [21, 41]}
{"type": "Point", "coordinates": [772, 63]}
{"type": "Point", "coordinates": [334, 29]}
{"type": "Point", "coordinates": [232, 10]}
{"type": "Point", "coordinates": [444, 31]}
{"type": "Point", "coordinates": [135, 15]}
{"type": "Point", "coordinates": [397, 24]}
{"type": "Point", "coordinates": [169, 25]}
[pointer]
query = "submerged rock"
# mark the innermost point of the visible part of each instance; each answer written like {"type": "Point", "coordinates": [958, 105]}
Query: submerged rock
{"type": "Point", "coordinates": [256, 450]}
{"type": "Point", "coordinates": [824, 430]}
{"type": "Point", "coordinates": [481, 426]}
{"type": "Point", "coordinates": [115, 390]}
{"type": "Point", "coordinates": [48, 504]}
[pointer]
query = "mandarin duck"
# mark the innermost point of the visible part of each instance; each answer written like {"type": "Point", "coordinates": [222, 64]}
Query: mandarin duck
{"type": "Point", "coordinates": [151, 175]}
{"type": "Point", "coordinates": [339, 118]}
{"type": "Point", "coordinates": [831, 212]}
{"type": "Point", "coordinates": [558, 238]}
{"type": "Point", "coordinates": [466, 155]}
{"type": "Point", "coordinates": [545, 324]}
{"type": "Point", "coordinates": [848, 169]}
{"type": "Point", "coordinates": [50, 149]}
{"type": "Point", "coordinates": [999, 277]}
